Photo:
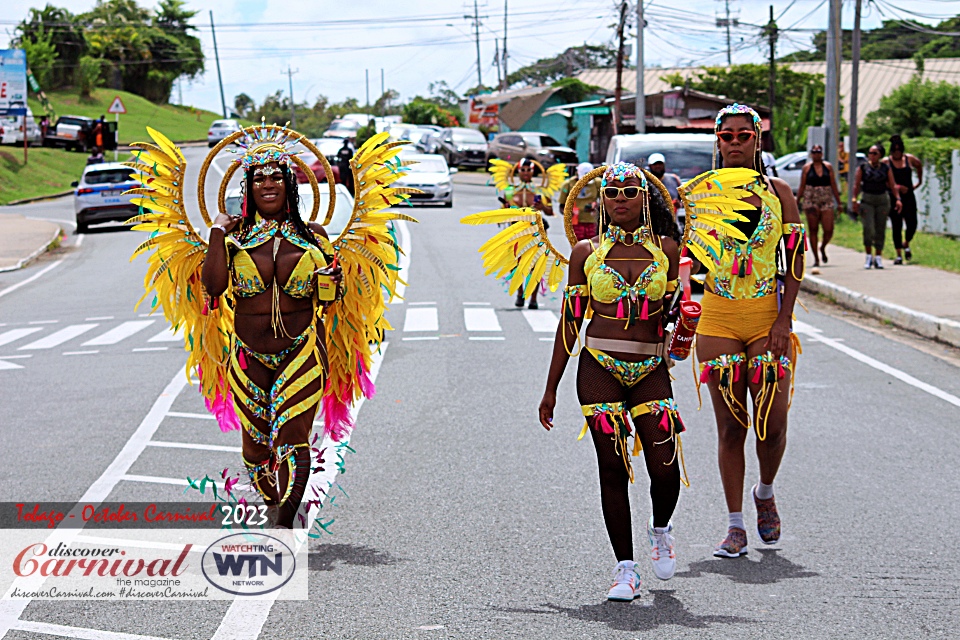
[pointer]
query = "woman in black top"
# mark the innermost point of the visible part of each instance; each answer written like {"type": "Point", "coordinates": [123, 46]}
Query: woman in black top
{"type": "Point", "coordinates": [871, 184]}
{"type": "Point", "coordinates": [819, 193]}
{"type": "Point", "coordinates": [903, 164]}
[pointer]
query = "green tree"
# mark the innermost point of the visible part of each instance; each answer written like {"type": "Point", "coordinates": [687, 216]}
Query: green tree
{"type": "Point", "coordinates": [422, 111]}
{"type": "Point", "coordinates": [41, 56]}
{"type": "Point", "coordinates": [892, 40]}
{"type": "Point", "coordinates": [243, 104]}
{"type": "Point", "coordinates": [88, 75]}
{"type": "Point", "coordinates": [66, 36]}
{"type": "Point", "coordinates": [918, 108]}
{"type": "Point", "coordinates": [564, 65]}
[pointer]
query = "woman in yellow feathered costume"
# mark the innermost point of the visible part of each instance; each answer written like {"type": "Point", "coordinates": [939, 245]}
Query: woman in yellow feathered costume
{"type": "Point", "coordinates": [277, 318]}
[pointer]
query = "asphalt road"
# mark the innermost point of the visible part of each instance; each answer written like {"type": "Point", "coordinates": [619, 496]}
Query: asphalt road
{"type": "Point", "coordinates": [460, 517]}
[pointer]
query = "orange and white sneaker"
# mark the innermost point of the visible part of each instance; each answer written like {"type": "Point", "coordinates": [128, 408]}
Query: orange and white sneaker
{"type": "Point", "coordinates": [661, 550]}
{"type": "Point", "coordinates": [734, 545]}
{"type": "Point", "coordinates": [626, 582]}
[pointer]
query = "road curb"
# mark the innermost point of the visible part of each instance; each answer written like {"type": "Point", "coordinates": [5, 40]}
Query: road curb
{"type": "Point", "coordinates": [924, 324]}
{"type": "Point", "coordinates": [40, 198]}
{"type": "Point", "coordinates": [52, 243]}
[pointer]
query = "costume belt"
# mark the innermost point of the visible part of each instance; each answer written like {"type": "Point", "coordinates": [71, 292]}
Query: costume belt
{"type": "Point", "coordinates": [627, 346]}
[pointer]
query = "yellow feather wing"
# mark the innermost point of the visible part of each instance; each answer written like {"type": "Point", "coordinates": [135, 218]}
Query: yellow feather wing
{"type": "Point", "coordinates": [711, 202]}
{"type": "Point", "coordinates": [500, 170]}
{"type": "Point", "coordinates": [369, 253]}
{"type": "Point", "coordinates": [556, 176]}
{"type": "Point", "coordinates": [175, 253]}
{"type": "Point", "coordinates": [522, 252]}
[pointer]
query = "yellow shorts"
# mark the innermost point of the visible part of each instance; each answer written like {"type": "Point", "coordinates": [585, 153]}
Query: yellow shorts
{"type": "Point", "coordinates": [745, 320]}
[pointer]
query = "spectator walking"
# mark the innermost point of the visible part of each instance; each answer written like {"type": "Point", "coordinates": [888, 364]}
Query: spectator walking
{"type": "Point", "coordinates": [903, 165]}
{"type": "Point", "coordinates": [818, 194]}
{"type": "Point", "coordinates": [657, 165]}
{"type": "Point", "coordinates": [343, 164]}
{"type": "Point", "coordinates": [871, 184]}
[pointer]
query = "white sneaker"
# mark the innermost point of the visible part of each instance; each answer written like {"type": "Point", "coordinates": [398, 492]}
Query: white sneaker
{"type": "Point", "coordinates": [661, 551]}
{"type": "Point", "coordinates": [626, 582]}
{"type": "Point", "coordinates": [878, 262]}
{"type": "Point", "coordinates": [869, 262]}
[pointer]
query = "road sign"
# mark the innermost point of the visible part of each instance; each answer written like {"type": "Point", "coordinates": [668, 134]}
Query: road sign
{"type": "Point", "coordinates": [117, 106]}
{"type": "Point", "coordinates": [591, 111]}
{"type": "Point", "coordinates": [13, 82]}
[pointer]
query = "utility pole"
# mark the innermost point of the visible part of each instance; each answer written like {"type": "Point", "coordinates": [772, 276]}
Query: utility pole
{"type": "Point", "coordinates": [854, 91]}
{"type": "Point", "coordinates": [503, 56]}
{"type": "Point", "coordinates": [216, 56]}
{"type": "Point", "coordinates": [367, 74]}
{"type": "Point", "coordinates": [772, 91]}
{"type": "Point", "coordinates": [496, 61]}
{"type": "Point", "coordinates": [831, 106]}
{"type": "Point", "coordinates": [728, 22]}
{"type": "Point", "coordinates": [618, 90]}
{"type": "Point", "coordinates": [640, 100]}
{"type": "Point", "coordinates": [383, 93]}
{"type": "Point", "coordinates": [293, 110]}
{"type": "Point", "coordinates": [476, 30]}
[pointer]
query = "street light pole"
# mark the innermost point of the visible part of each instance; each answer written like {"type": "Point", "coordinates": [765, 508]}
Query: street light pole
{"type": "Point", "coordinates": [854, 91]}
{"type": "Point", "coordinates": [831, 103]}
{"type": "Point", "coordinates": [216, 56]}
{"type": "Point", "coordinates": [293, 108]}
{"type": "Point", "coordinates": [640, 100]}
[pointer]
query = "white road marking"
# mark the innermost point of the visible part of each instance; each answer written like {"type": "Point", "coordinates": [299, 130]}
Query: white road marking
{"type": "Point", "coordinates": [193, 445]}
{"type": "Point", "coordinates": [20, 357]}
{"type": "Point", "coordinates": [197, 416]}
{"type": "Point", "coordinates": [43, 322]}
{"type": "Point", "coordinates": [81, 353]}
{"type": "Point", "coordinates": [142, 349]}
{"type": "Point", "coordinates": [487, 338]}
{"type": "Point", "coordinates": [15, 334]}
{"type": "Point", "coordinates": [79, 241]}
{"type": "Point", "coordinates": [547, 339]}
{"type": "Point", "coordinates": [415, 338]}
{"type": "Point", "coordinates": [817, 335]}
{"type": "Point", "coordinates": [98, 318]}
{"type": "Point", "coordinates": [120, 332]}
{"type": "Point", "coordinates": [481, 320]}
{"type": "Point", "coordinates": [181, 482]}
{"type": "Point", "coordinates": [11, 610]}
{"type": "Point", "coordinates": [38, 274]}
{"type": "Point", "coordinates": [541, 320]}
{"type": "Point", "coordinates": [59, 337]}
{"type": "Point", "coordinates": [5, 366]}
{"type": "Point", "coordinates": [476, 304]}
{"type": "Point", "coordinates": [245, 618]}
{"type": "Point", "coordinates": [46, 628]}
{"type": "Point", "coordinates": [424, 319]}
{"type": "Point", "coordinates": [403, 237]}
{"type": "Point", "coordinates": [168, 335]}
{"type": "Point", "coordinates": [422, 304]}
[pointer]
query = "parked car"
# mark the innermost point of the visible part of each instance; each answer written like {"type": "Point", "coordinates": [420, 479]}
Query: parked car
{"type": "Point", "coordinates": [687, 154]}
{"type": "Point", "coordinates": [342, 208]}
{"type": "Point", "coordinates": [430, 142]}
{"type": "Point", "coordinates": [462, 147]}
{"type": "Point", "coordinates": [220, 129]}
{"type": "Point", "coordinates": [342, 128]}
{"type": "Point", "coordinates": [99, 195]}
{"type": "Point", "coordinates": [360, 118]}
{"type": "Point", "coordinates": [790, 166]}
{"type": "Point", "coordinates": [514, 146]}
{"type": "Point", "coordinates": [329, 147]}
{"type": "Point", "coordinates": [12, 127]}
{"type": "Point", "coordinates": [398, 131]}
{"type": "Point", "coordinates": [317, 167]}
{"type": "Point", "coordinates": [76, 133]}
{"type": "Point", "coordinates": [431, 175]}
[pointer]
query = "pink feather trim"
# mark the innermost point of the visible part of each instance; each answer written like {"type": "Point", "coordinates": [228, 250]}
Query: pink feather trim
{"type": "Point", "coordinates": [705, 374]}
{"type": "Point", "coordinates": [223, 410]}
{"type": "Point", "coordinates": [337, 422]}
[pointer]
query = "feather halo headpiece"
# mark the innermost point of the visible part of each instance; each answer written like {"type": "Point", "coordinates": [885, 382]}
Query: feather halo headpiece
{"type": "Point", "coordinates": [261, 145]}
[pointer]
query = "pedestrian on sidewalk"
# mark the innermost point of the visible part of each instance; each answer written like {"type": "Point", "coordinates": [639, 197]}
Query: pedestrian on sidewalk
{"type": "Point", "coordinates": [820, 196]}
{"type": "Point", "coordinates": [871, 184]}
{"type": "Point", "coordinates": [903, 164]}
{"type": "Point", "coordinates": [745, 341]}
{"type": "Point", "coordinates": [627, 280]}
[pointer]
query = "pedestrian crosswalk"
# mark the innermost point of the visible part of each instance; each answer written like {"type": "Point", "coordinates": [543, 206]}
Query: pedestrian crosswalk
{"type": "Point", "coordinates": [478, 321]}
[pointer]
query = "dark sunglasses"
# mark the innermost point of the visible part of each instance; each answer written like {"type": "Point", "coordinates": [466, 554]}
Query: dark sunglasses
{"type": "Point", "coordinates": [742, 136]}
{"type": "Point", "coordinates": [612, 193]}
{"type": "Point", "coordinates": [873, 153]}
{"type": "Point", "coordinates": [816, 150]}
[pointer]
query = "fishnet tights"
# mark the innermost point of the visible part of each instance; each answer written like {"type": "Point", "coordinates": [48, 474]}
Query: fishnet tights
{"type": "Point", "coordinates": [595, 384]}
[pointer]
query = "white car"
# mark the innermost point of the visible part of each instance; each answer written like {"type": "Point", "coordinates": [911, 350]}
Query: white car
{"type": "Point", "coordinates": [342, 209]}
{"type": "Point", "coordinates": [11, 129]}
{"type": "Point", "coordinates": [431, 175]}
{"type": "Point", "coordinates": [99, 195]}
{"type": "Point", "coordinates": [220, 129]}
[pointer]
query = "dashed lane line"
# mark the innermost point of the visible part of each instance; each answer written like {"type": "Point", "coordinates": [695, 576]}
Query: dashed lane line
{"type": "Point", "coordinates": [57, 338]}
{"type": "Point", "coordinates": [196, 416]}
{"type": "Point", "coordinates": [120, 332]}
{"type": "Point", "coordinates": [15, 334]}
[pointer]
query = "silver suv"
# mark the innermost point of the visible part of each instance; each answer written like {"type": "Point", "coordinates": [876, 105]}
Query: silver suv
{"type": "Point", "coordinates": [220, 129]}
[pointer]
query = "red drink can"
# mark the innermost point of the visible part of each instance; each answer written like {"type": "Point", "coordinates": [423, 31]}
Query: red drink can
{"type": "Point", "coordinates": [686, 328]}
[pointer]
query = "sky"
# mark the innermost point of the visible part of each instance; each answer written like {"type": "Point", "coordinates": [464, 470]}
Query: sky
{"type": "Point", "coordinates": [329, 45]}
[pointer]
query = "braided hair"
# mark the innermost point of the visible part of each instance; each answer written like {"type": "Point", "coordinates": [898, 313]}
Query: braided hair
{"type": "Point", "coordinates": [731, 111]}
{"type": "Point", "coordinates": [662, 221]}
{"type": "Point", "coordinates": [896, 143]}
{"type": "Point", "coordinates": [292, 209]}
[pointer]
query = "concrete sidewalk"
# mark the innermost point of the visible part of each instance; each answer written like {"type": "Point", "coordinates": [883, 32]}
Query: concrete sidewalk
{"type": "Point", "coordinates": [919, 299]}
{"type": "Point", "coordinates": [23, 239]}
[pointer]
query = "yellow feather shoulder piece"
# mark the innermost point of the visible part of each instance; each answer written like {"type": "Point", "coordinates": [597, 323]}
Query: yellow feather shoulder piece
{"type": "Point", "coordinates": [501, 170]}
{"type": "Point", "coordinates": [522, 251]}
{"type": "Point", "coordinates": [711, 202]}
{"type": "Point", "coordinates": [175, 254]}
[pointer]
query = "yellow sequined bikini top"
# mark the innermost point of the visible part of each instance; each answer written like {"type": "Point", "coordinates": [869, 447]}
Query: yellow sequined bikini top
{"type": "Point", "coordinates": [606, 285]}
{"type": "Point", "coordinates": [247, 281]}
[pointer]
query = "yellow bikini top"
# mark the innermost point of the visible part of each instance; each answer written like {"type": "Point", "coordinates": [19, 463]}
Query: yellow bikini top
{"type": "Point", "coordinates": [749, 269]}
{"type": "Point", "coordinates": [608, 286]}
{"type": "Point", "coordinates": [247, 281]}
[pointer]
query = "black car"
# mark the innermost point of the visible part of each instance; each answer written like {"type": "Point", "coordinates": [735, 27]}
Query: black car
{"type": "Point", "coordinates": [462, 147]}
{"type": "Point", "coordinates": [514, 146]}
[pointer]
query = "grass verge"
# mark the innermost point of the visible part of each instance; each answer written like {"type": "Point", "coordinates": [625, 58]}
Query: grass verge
{"type": "Point", "coordinates": [48, 171]}
{"type": "Point", "coordinates": [929, 250]}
